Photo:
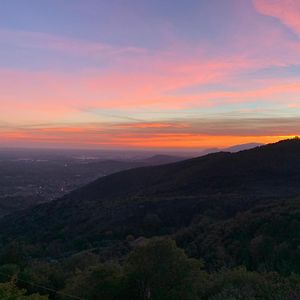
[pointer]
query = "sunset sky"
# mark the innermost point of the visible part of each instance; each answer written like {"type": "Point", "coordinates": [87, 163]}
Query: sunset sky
{"type": "Point", "coordinates": [155, 74]}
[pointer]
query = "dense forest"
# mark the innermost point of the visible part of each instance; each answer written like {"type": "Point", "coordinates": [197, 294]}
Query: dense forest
{"type": "Point", "coordinates": [222, 226]}
{"type": "Point", "coordinates": [155, 269]}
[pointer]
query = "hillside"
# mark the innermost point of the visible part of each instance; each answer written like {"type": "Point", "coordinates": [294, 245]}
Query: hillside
{"type": "Point", "coordinates": [162, 199]}
{"type": "Point", "coordinates": [264, 238]}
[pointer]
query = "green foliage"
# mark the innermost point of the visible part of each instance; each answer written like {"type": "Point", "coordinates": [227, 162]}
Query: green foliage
{"type": "Point", "coordinates": [9, 291]}
{"type": "Point", "coordinates": [103, 282]}
{"type": "Point", "coordinates": [80, 261]}
{"type": "Point", "coordinates": [43, 274]}
{"type": "Point", "coordinates": [241, 284]}
{"type": "Point", "coordinates": [265, 238]}
{"type": "Point", "coordinates": [156, 269]}
{"type": "Point", "coordinates": [160, 270]}
{"type": "Point", "coordinates": [8, 271]}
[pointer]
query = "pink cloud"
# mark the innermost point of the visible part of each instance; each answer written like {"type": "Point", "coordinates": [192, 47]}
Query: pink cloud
{"type": "Point", "coordinates": [57, 92]}
{"type": "Point", "coordinates": [286, 11]}
{"type": "Point", "coordinates": [52, 97]}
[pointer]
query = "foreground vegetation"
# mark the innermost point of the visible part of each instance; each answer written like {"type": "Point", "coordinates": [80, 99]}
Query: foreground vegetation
{"type": "Point", "coordinates": [155, 269]}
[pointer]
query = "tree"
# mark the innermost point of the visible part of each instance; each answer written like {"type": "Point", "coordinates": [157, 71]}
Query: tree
{"type": "Point", "coordinates": [9, 291]}
{"type": "Point", "coordinates": [161, 271]}
{"type": "Point", "coordinates": [100, 282]}
{"type": "Point", "coordinates": [240, 284]}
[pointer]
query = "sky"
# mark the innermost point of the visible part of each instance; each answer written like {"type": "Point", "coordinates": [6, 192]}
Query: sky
{"type": "Point", "coordinates": [148, 74]}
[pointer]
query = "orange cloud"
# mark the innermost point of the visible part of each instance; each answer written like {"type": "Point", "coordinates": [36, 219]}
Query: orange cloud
{"type": "Point", "coordinates": [192, 141]}
{"type": "Point", "coordinates": [123, 141]}
{"type": "Point", "coordinates": [176, 134]}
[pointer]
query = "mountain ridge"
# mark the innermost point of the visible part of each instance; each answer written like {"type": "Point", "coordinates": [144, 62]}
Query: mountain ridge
{"type": "Point", "coordinates": [173, 194]}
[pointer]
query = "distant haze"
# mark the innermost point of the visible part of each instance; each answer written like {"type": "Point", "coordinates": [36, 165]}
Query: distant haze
{"type": "Point", "coordinates": [131, 154]}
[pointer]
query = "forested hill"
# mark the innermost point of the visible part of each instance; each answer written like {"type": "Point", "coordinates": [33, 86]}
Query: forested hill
{"type": "Point", "coordinates": [264, 166]}
{"type": "Point", "coordinates": [160, 200]}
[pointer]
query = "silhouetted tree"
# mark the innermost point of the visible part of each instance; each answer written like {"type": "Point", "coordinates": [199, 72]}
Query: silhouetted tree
{"type": "Point", "coordinates": [160, 270]}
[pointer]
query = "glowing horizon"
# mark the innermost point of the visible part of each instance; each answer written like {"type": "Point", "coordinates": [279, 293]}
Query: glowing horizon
{"type": "Point", "coordinates": [149, 74]}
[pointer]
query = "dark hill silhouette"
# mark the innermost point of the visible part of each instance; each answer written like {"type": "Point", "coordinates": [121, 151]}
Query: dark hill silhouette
{"type": "Point", "coordinates": [161, 199]}
{"type": "Point", "coordinates": [250, 170]}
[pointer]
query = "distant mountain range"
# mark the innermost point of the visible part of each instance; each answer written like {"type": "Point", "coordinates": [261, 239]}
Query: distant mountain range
{"type": "Point", "coordinates": [241, 147]}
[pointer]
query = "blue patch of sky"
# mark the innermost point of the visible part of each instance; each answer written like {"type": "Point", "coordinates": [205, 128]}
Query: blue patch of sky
{"type": "Point", "coordinates": [137, 23]}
